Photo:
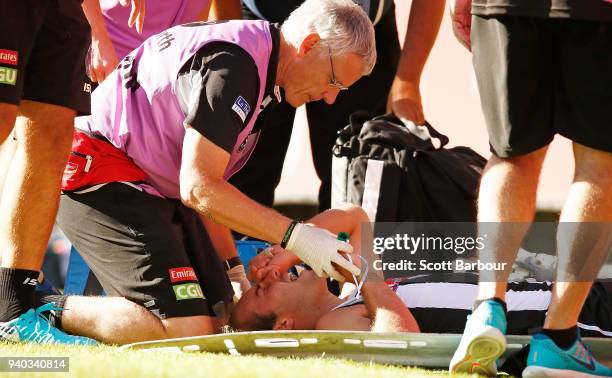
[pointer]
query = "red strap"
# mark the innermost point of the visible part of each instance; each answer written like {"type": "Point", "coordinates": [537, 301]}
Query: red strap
{"type": "Point", "coordinates": [95, 161]}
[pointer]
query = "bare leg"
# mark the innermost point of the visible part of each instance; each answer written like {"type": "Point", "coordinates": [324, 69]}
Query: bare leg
{"type": "Point", "coordinates": [116, 320]}
{"type": "Point", "coordinates": [7, 151]}
{"type": "Point", "coordinates": [30, 199]}
{"type": "Point", "coordinates": [581, 254]}
{"type": "Point", "coordinates": [507, 194]}
{"type": "Point", "coordinates": [8, 113]}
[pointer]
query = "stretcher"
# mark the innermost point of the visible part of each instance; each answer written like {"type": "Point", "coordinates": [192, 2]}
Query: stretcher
{"type": "Point", "coordinates": [409, 349]}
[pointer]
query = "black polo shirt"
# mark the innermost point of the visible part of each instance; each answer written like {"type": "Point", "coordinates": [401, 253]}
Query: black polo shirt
{"type": "Point", "coordinates": [218, 89]}
{"type": "Point", "coordinates": [279, 10]}
{"type": "Point", "coordinates": [595, 10]}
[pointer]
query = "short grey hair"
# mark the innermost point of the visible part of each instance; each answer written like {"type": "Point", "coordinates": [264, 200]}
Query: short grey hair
{"type": "Point", "coordinates": [341, 24]}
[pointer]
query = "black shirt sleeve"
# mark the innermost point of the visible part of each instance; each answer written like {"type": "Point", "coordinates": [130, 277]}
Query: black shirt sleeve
{"type": "Point", "coordinates": [218, 90]}
{"type": "Point", "coordinates": [278, 11]}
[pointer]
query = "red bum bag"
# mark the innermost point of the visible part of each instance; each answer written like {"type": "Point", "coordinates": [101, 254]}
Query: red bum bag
{"type": "Point", "coordinates": [93, 160]}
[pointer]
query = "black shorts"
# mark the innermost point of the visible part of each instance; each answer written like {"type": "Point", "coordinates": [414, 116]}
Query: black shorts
{"type": "Point", "coordinates": [538, 77]}
{"type": "Point", "coordinates": [43, 44]}
{"type": "Point", "coordinates": [152, 251]}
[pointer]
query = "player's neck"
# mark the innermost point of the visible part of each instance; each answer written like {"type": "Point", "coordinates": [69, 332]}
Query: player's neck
{"type": "Point", "coordinates": [327, 303]}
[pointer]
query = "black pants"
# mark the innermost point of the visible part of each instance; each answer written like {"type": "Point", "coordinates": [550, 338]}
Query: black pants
{"type": "Point", "coordinates": [150, 250]}
{"type": "Point", "coordinates": [262, 173]}
{"type": "Point", "coordinates": [42, 53]}
{"type": "Point", "coordinates": [538, 77]}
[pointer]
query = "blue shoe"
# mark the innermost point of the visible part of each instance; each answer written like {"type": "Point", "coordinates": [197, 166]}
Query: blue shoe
{"type": "Point", "coordinates": [546, 359]}
{"type": "Point", "coordinates": [483, 341]}
{"type": "Point", "coordinates": [35, 328]}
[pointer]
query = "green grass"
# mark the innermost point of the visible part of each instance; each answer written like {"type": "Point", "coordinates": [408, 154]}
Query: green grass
{"type": "Point", "coordinates": [106, 361]}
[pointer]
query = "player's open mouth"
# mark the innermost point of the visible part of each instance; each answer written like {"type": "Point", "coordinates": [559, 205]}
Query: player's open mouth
{"type": "Point", "coordinates": [296, 274]}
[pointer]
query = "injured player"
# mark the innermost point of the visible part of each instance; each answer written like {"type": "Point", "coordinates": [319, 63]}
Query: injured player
{"type": "Point", "coordinates": [282, 301]}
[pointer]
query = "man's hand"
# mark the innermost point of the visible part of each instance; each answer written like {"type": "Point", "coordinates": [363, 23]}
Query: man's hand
{"type": "Point", "coordinates": [271, 265]}
{"type": "Point", "coordinates": [461, 14]}
{"type": "Point", "coordinates": [405, 101]}
{"type": "Point", "coordinates": [137, 15]}
{"type": "Point", "coordinates": [273, 260]}
{"type": "Point", "coordinates": [319, 249]}
{"type": "Point", "coordinates": [239, 280]}
{"type": "Point", "coordinates": [103, 59]}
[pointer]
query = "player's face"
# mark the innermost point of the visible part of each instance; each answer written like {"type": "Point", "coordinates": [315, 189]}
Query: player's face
{"type": "Point", "coordinates": [319, 76]}
{"type": "Point", "coordinates": [288, 294]}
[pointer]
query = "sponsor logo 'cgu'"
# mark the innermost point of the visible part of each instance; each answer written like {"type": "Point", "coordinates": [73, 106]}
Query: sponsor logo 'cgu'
{"type": "Point", "coordinates": [8, 75]}
{"type": "Point", "coordinates": [189, 290]}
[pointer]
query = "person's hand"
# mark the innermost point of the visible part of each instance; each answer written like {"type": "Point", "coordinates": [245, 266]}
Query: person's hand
{"type": "Point", "coordinates": [137, 15]}
{"type": "Point", "coordinates": [239, 280]}
{"type": "Point", "coordinates": [320, 248]}
{"type": "Point", "coordinates": [461, 14]}
{"type": "Point", "coordinates": [257, 263]}
{"type": "Point", "coordinates": [271, 265]}
{"type": "Point", "coordinates": [405, 101]}
{"type": "Point", "coordinates": [103, 59]}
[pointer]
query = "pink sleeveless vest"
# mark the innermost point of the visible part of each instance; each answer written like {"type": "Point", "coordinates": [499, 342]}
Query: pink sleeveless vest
{"type": "Point", "coordinates": [137, 110]}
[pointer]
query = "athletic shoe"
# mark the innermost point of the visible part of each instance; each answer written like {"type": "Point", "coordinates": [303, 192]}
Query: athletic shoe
{"type": "Point", "coordinates": [483, 341]}
{"type": "Point", "coordinates": [546, 359]}
{"type": "Point", "coordinates": [35, 328]}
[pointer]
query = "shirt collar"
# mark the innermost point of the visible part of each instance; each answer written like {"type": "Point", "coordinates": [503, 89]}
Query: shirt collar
{"type": "Point", "coordinates": [272, 89]}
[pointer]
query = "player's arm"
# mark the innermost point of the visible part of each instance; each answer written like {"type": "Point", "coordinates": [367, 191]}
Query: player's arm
{"type": "Point", "coordinates": [386, 310]}
{"type": "Point", "coordinates": [103, 58]}
{"type": "Point", "coordinates": [383, 312]}
{"type": "Point", "coordinates": [204, 189]}
{"type": "Point", "coordinates": [213, 123]}
{"type": "Point", "coordinates": [345, 218]}
{"type": "Point", "coordinates": [221, 238]}
{"type": "Point", "coordinates": [225, 10]}
{"type": "Point", "coordinates": [205, 13]}
{"type": "Point", "coordinates": [223, 243]}
{"type": "Point", "coordinates": [423, 26]}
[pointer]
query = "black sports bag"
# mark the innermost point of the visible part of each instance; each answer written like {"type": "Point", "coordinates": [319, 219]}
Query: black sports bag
{"type": "Point", "coordinates": [399, 175]}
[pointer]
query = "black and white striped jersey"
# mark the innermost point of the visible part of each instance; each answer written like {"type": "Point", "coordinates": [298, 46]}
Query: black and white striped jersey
{"type": "Point", "coordinates": [442, 307]}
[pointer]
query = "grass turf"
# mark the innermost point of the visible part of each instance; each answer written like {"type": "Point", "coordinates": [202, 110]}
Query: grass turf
{"type": "Point", "coordinates": [106, 361]}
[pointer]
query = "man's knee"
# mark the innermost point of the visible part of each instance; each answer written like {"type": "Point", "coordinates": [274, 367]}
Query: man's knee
{"type": "Point", "coordinates": [45, 130]}
{"type": "Point", "coordinates": [529, 164]}
{"type": "Point", "coordinates": [8, 113]}
{"type": "Point", "coordinates": [188, 326]}
{"type": "Point", "coordinates": [592, 164]}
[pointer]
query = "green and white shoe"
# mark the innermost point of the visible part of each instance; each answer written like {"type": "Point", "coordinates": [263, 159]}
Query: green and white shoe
{"type": "Point", "coordinates": [483, 341]}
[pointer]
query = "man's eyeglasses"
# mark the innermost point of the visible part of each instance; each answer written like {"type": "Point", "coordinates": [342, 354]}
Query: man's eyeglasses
{"type": "Point", "coordinates": [334, 82]}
